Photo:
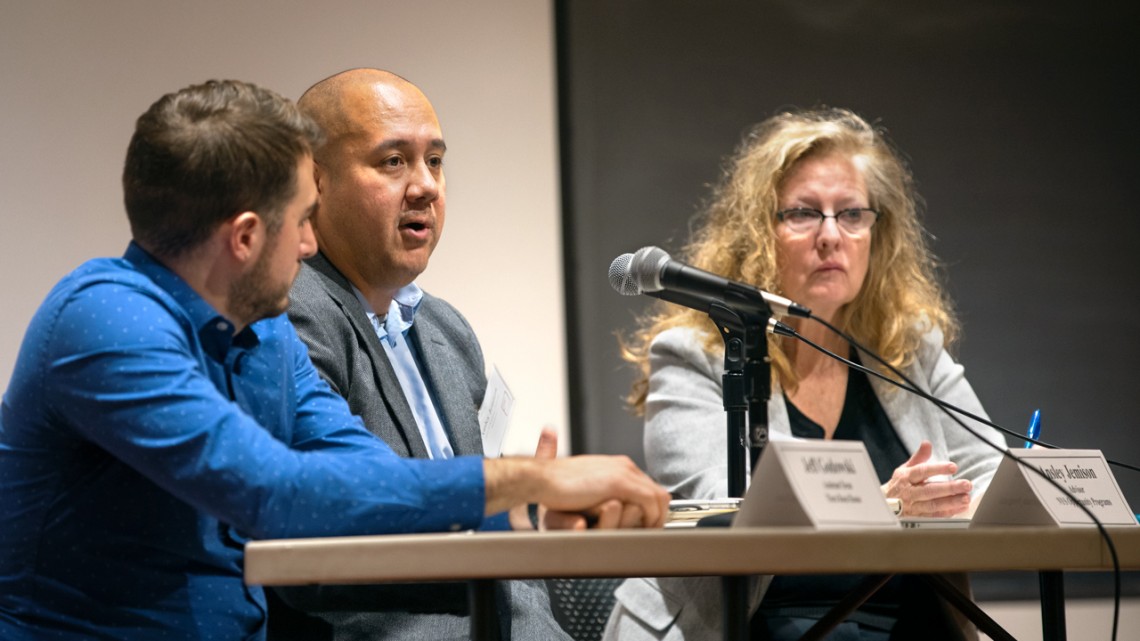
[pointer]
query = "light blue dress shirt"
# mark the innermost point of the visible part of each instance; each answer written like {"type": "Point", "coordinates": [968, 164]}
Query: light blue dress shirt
{"type": "Point", "coordinates": [392, 330]}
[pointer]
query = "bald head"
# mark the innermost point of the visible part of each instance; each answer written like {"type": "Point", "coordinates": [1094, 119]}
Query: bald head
{"type": "Point", "coordinates": [380, 180]}
{"type": "Point", "coordinates": [348, 104]}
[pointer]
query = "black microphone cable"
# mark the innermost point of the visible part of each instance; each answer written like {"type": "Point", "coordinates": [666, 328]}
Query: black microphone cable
{"type": "Point", "coordinates": [910, 386]}
{"type": "Point", "coordinates": [943, 404]}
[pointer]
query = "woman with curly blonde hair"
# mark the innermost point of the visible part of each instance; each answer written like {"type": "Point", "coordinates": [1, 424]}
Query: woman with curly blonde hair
{"type": "Point", "coordinates": [816, 206]}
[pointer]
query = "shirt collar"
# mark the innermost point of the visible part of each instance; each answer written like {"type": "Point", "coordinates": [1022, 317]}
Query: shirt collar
{"type": "Point", "coordinates": [214, 330]}
{"type": "Point", "coordinates": [401, 312]}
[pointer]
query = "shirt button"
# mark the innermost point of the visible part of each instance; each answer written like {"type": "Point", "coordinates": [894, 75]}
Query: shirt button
{"type": "Point", "coordinates": [222, 326]}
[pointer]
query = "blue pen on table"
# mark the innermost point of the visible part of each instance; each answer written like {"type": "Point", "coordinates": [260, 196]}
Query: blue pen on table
{"type": "Point", "coordinates": [1034, 428]}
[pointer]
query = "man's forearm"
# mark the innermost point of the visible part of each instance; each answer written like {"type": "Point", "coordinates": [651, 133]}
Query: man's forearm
{"type": "Point", "coordinates": [512, 481]}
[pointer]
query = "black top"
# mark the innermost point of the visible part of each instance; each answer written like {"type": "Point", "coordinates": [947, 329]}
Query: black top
{"type": "Point", "coordinates": [863, 419]}
{"type": "Point", "coordinates": [811, 596]}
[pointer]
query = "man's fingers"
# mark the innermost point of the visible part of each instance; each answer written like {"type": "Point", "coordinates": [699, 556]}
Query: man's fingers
{"type": "Point", "coordinates": [661, 514]}
{"type": "Point", "coordinates": [547, 444]}
{"type": "Point", "coordinates": [633, 488]}
{"type": "Point", "coordinates": [605, 486]}
{"type": "Point", "coordinates": [632, 516]}
{"type": "Point", "coordinates": [651, 500]}
{"type": "Point", "coordinates": [519, 518]}
{"type": "Point", "coordinates": [608, 515]}
{"type": "Point", "coordinates": [557, 520]}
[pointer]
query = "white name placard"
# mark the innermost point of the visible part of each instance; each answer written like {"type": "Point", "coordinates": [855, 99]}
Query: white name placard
{"type": "Point", "coordinates": [1018, 496]}
{"type": "Point", "coordinates": [495, 413]}
{"type": "Point", "coordinates": [822, 484]}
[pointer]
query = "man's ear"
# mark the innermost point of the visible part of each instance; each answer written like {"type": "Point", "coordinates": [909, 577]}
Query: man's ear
{"type": "Point", "coordinates": [318, 175]}
{"type": "Point", "coordinates": [246, 236]}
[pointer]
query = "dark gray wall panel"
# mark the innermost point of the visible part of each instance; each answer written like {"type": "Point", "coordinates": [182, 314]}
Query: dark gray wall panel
{"type": "Point", "coordinates": [1023, 134]}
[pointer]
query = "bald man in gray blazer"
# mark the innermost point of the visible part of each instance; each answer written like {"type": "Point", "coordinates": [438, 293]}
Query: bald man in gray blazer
{"type": "Point", "coordinates": [408, 363]}
{"type": "Point", "coordinates": [347, 353]}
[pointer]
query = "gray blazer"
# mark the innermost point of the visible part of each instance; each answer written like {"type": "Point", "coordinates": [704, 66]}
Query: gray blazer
{"type": "Point", "coordinates": [345, 350]}
{"type": "Point", "coordinates": [685, 441]}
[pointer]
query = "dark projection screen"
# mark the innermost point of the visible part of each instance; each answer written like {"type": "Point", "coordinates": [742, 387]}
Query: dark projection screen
{"type": "Point", "coordinates": [1020, 124]}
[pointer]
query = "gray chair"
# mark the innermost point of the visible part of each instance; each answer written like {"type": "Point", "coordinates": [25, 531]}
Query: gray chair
{"type": "Point", "coordinates": [582, 606]}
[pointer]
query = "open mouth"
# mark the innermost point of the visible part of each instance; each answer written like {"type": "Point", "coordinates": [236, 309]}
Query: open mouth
{"type": "Point", "coordinates": [414, 226]}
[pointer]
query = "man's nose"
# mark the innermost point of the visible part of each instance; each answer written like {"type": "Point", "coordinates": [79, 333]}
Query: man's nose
{"type": "Point", "coordinates": [308, 240]}
{"type": "Point", "coordinates": [424, 184]}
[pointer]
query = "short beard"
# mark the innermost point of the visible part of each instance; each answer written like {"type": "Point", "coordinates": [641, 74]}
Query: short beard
{"type": "Point", "coordinates": [251, 298]}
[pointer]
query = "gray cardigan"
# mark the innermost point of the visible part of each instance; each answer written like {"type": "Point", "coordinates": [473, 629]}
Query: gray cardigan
{"type": "Point", "coordinates": [685, 443]}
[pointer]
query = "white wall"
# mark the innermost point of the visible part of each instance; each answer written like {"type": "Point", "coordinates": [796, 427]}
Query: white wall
{"type": "Point", "coordinates": [75, 75]}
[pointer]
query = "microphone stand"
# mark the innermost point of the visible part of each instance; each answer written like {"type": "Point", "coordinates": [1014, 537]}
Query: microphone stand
{"type": "Point", "coordinates": [745, 388]}
{"type": "Point", "coordinates": [758, 374]}
{"type": "Point", "coordinates": [734, 330]}
{"type": "Point", "coordinates": [746, 384]}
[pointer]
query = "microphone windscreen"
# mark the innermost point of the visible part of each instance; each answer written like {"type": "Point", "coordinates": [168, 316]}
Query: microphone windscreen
{"type": "Point", "coordinates": [620, 277]}
{"type": "Point", "coordinates": [646, 268]}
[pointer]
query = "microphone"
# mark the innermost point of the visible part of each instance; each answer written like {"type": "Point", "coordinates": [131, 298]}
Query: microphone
{"type": "Point", "coordinates": [619, 279]}
{"type": "Point", "coordinates": [705, 303]}
{"type": "Point", "coordinates": [652, 270]}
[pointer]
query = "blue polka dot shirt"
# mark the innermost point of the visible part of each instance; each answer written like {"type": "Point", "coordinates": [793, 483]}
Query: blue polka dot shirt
{"type": "Point", "coordinates": [142, 443]}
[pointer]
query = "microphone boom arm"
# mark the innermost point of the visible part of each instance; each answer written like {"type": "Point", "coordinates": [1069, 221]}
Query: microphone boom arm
{"type": "Point", "coordinates": [745, 387]}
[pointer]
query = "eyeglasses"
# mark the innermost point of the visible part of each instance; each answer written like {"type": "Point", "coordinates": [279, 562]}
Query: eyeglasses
{"type": "Point", "coordinates": [802, 220]}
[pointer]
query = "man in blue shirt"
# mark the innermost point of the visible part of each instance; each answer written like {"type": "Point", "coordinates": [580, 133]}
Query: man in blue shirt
{"type": "Point", "coordinates": [162, 410]}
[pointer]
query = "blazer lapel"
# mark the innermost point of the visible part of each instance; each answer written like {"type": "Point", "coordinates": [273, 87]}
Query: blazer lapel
{"type": "Point", "coordinates": [450, 385]}
{"type": "Point", "coordinates": [403, 424]}
{"type": "Point", "coordinates": [910, 416]}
